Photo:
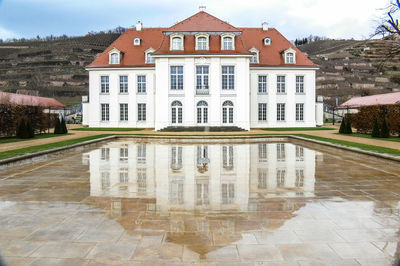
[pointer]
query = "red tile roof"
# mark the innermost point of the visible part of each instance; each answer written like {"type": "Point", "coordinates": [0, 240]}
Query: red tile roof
{"type": "Point", "coordinates": [204, 22]}
{"type": "Point", "coordinates": [379, 99]}
{"type": "Point", "coordinates": [21, 99]}
{"type": "Point", "coordinates": [134, 56]}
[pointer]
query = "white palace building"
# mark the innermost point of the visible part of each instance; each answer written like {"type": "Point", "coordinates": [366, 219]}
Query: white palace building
{"type": "Point", "coordinates": [202, 71]}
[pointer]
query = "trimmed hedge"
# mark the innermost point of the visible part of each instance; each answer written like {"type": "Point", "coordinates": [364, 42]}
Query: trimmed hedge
{"type": "Point", "coordinates": [364, 120]}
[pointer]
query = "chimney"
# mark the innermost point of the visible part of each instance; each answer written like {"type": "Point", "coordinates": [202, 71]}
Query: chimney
{"type": "Point", "coordinates": [139, 26]}
{"type": "Point", "coordinates": [265, 26]}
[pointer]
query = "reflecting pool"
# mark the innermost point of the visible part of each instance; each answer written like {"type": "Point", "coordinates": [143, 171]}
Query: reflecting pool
{"type": "Point", "coordinates": [145, 202]}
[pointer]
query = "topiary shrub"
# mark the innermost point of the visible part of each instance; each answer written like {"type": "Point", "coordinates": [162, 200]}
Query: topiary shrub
{"type": "Point", "coordinates": [342, 129]}
{"type": "Point", "coordinates": [57, 128]}
{"type": "Point", "coordinates": [348, 129]}
{"type": "Point", "coordinates": [63, 126]}
{"type": "Point", "coordinates": [385, 133]}
{"type": "Point", "coordinates": [376, 132]}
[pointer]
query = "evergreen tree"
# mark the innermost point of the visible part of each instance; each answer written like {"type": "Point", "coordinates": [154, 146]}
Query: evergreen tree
{"type": "Point", "coordinates": [384, 129]}
{"type": "Point", "coordinates": [63, 126]}
{"type": "Point", "coordinates": [376, 130]}
{"type": "Point", "coordinates": [21, 128]}
{"type": "Point", "coordinates": [57, 128]}
{"type": "Point", "coordinates": [342, 129]}
{"type": "Point", "coordinates": [348, 125]}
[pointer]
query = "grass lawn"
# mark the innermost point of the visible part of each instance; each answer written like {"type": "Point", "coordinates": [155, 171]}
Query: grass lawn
{"type": "Point", "coordinates": [354, 144]}
{"type": "Point", "coordinates": [297, 128]}
{"type": "Point", "coordinates": [106, 129]}
{"type": "Point", "coordinates": [397, 139]}
{"type": "Point", "coordinates": [43, 136]}
{"type": "Point", "coordinates": [11, 153]}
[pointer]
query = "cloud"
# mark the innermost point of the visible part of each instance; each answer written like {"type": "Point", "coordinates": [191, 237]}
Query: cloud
{"type": "Point", "coordinates": [7, 34]}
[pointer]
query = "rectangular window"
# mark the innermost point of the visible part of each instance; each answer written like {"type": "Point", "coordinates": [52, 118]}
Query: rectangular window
{"type": "Point", "coordinates": [105, 112]}
{"type": "Point", "coordinates": [262, 112]}
{"type": "Point", "coordinates": [141, 180]}
{"type": "Point", "coordinates": [201, 77]}
{"type": "Point", "coordinates": [141, 84]}
{"type": "Point", "coordinates": [105, 84]}
{"type": "Point", "coordinates": [262, 153]}
{"type": "Point", "coordinates": [123, 84]}
{"type": "Point", "coordinates": [124, 175]}
{"type": "Point", "coordinates": [299, 84]}
{"type": "Point", "coordinates": [141, 153]}
{"type": "Point", "coordinates": [280, 152]}
{"type": "Point", "coordinates": [299, 111]}
{"type": "Point", "coordinates": [123, 112]}
{"type": "Point", "coordinates": [262, 84]}
{"type": "Point", "coordinates": [176, 77]}
{"type": "Point", "coordinates": [228, 77]}
{"type": "Point", "coordinates": [299, 154]}
{"type": "Point", "coordinates": [280, 112]}
{"type": "Point", "coordinates": [141, 112]}
{"type": "Point", "coordinates": [123, 154]}
{"type": "Point", "coordinates": [280, 84]}
{"type": "Point", "coordinates": [262, 178]}
{"type": "Point", "coordinates": [280, 177]}
{"type": "Point", "coordinates": [299, 178]}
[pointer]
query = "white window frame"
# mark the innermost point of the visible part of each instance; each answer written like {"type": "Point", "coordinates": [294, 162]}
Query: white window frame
{"type": "Point", "coordinates": [202, 113]}
{"type": "Point", "coordinates": [262, 84]}
{"type": "Point", "coordinates": [177, 76]}
{"type": "Point", "coordinates": [123, 84]}
{"type": "Point", "coordinates": [230, 78]}
{"type": "Point", "coordinates": [105, 112]}
{"type": "Point", "coordinates": [280, 112]}
{"type": "Point", "coordinates": [176, 113]}
{"type": "Point", "coordinates": [198, 46]}
{"type": "Point", "coordinates": [262, 112]}
{"type": "Point", "coordinates": [123, 112]}
{"type": "Point", "coordinates": [225, 35]}
{"type": "Point", "coordinates": [141, 112]}
{"type": "Point", "coordinates": [255, 59]}
{"type": "Point", "coordinates": [300, 84]}
{"type": "Point", "coordinates": [173, 47]}
{"type": "Point", "coordinates": [202, 77]}
{"type": "Point", "coordinates": [281, 84]}
{"type": "Point", "coordinates": [267, 41]}
{"type": "Point", "coordinates": [114, 56]}
{"type": "Point", "coordinates": [228, 113]}
{"type": "Point", "coordinates": [289, 59]}
{"type": "Point", "coordinates": [149, 53]}
{"type": "Point", "coordinates": [136, 41]}
{"type": "Point", "coordinates": [141, 84]}
{"type": "Point", "coordinates": [299, 112]}
{"type": "Point", "coordinates": [105, 84]}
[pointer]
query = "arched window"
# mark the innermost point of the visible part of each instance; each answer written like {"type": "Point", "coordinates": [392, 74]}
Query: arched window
{"type": "Point", "coordinates": [114, 58]}
{"type": "Point", "coordinates": [202, 43]}
{"type": "Point", "coordinates": [227, 112]}
{"type": "Point", "coordinates": [177, 43]}
{"type": "Point", "coordinates": [150, 58]}
{"type": "Point", "coordinates": [228, 43]}
{"type": "Point", "coordinates": [176, 112]}
{"type": "Point", "coordinates": [202, 112]}
{"type": "Point", "coordinates": [289, 58]}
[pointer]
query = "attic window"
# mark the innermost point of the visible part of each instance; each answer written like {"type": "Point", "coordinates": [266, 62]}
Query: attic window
{"type": "Point", "coordinates": [289, 58]}
{"type": "Point", "coordinates": [267, 41]}
{"type": "Point", "coordinates": [176, 42]}
{"type": "Point", "coordinates": [114, 58]}
{"type": "Point", "coordinates": [227, 41]}
{"type": "Point", "coordinates": [149, 59]}
{"type": "Point", "coordinates": [136, 41]}
{"type": "Point", "coordinates": [255, 58]}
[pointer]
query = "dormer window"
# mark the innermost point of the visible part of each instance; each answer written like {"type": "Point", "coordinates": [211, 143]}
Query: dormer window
{"type": "Point", "coordinates": [227, 42]}
{"type": "Point", "coordinates": [267, 41]}
{"type": "Point", "coordinates": [289, 58]}
{"type": "Point", "coordinates": [136, 41]}
{"type": "Point", "coordinates": [255, 58]}
{"type": "Point", "coordinates": [202, 41]}
{"type": "Point", "coordinates": [289, 55]}
{"type": "Point", "coordinates": [149, 56]}
{"type": "Point", "coordinates": [176, 42]}
{"type": "Point", "coordinates": [114, 57]}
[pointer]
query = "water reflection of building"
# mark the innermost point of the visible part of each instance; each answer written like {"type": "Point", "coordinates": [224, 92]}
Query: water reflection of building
{"type": "Point", "coordinates": [201, 176]}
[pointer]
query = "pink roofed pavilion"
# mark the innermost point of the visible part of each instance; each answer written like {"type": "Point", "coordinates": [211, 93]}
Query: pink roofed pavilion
{"type": "Point", "coordinates": [379, 99]}
{"type": "Point", "coordinates": [22, 99]}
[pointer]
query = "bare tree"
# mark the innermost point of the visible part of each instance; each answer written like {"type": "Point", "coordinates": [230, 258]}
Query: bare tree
{"type": "Point", "coordinates": [390, 24]}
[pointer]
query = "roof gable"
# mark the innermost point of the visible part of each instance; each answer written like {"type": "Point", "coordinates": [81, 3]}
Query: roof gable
{"type": "Point", "coordinates": [204, 22]}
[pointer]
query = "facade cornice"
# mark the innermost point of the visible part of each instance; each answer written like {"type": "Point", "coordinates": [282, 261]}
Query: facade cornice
{"type": "Point", "coordinates": [121, 68]}
{"type": "Point", "coordinates": [201, 55]}
{"type": "Point", "coordinates": [284, 67]}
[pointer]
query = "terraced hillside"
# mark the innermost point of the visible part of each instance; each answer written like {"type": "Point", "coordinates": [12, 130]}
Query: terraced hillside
{"type": "Point", "coordinates": [51, 68]}
{"type": "Point", "coordinates": [355, 68]}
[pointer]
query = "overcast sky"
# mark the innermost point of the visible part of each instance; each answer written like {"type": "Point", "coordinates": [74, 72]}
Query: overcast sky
{"type": "Point", "coordinates": [293, 18]}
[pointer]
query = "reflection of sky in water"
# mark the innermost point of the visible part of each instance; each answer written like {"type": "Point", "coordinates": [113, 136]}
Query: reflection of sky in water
{"type": "Point", "coordinates": [201, 176]}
